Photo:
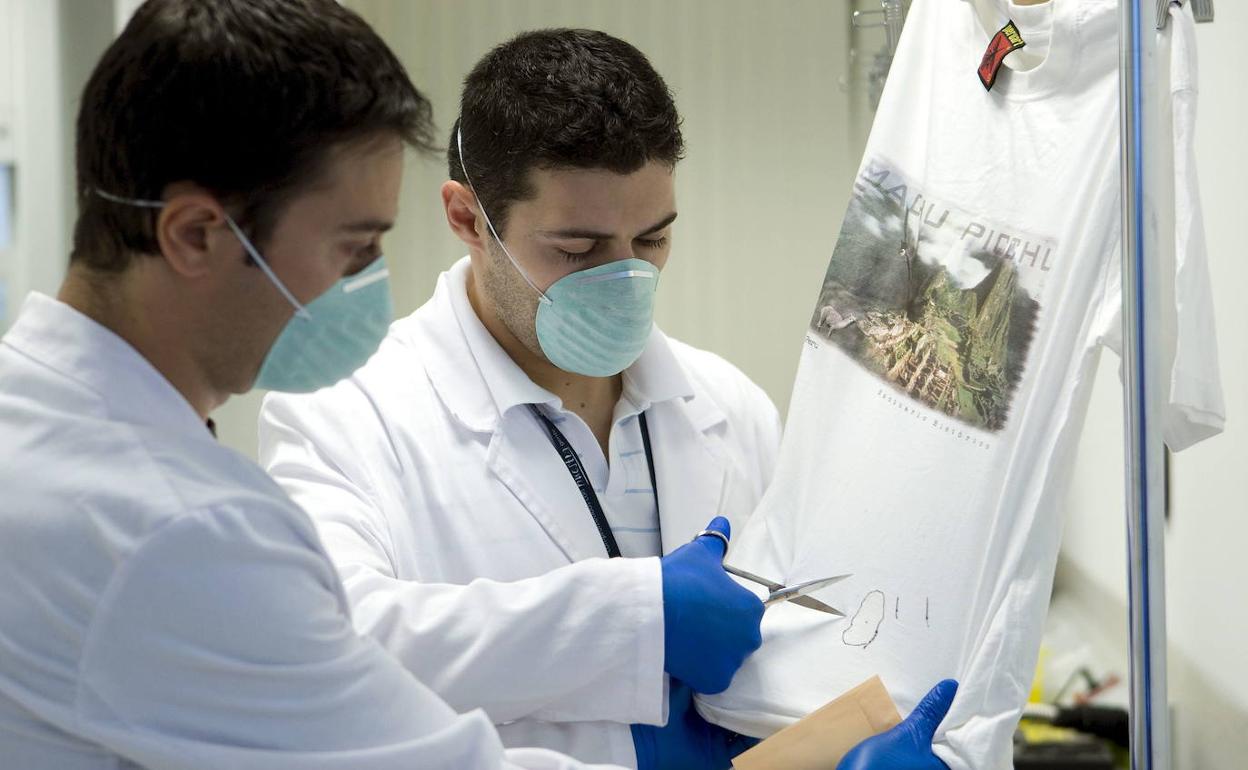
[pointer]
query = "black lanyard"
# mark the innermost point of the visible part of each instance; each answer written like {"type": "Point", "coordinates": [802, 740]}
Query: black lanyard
{"type": "Point", "coordinates": [573, 464]}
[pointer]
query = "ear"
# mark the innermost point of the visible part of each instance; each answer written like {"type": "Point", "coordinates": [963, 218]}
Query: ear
{"type": "Point", "coordinates": [463, 214]}
{"type": "Point", "coordinates": [192, 233]}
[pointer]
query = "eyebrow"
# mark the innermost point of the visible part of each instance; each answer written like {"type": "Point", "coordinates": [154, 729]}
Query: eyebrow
{"type": "Point", "coordinates": [367, 226]}
{"type": "Point", "coordinates": [594, 235]}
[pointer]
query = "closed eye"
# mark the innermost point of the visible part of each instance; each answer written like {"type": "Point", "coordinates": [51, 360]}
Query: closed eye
{"type": "Point", "coordinates": [577, 256]}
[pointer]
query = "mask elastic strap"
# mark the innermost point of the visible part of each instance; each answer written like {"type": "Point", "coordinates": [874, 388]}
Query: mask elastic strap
{"type": "Point", "coordinates": [141, 202]}
{"type": "Point", "coordinates": [459, 141]}
{"type": "Point", "coordinates": [300, 310]}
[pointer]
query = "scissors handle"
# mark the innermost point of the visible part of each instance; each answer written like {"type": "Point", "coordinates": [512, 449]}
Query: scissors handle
{"type": "Point", "coordinates": [714, 533]}
{"type": "Point", "coordinates": [777, 591]}
{"type": "Point", "coordinates": [770, 585]}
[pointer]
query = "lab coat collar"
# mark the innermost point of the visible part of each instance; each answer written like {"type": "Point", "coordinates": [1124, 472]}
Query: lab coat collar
{"type": "Point", "coordinates": [68, 342]}
{"type": "Point", "coordinates": [506, 384]}
{"type": "Point", "coordinates": [656, 377]}
{"type": "Point", "coordinates": [479, 385]}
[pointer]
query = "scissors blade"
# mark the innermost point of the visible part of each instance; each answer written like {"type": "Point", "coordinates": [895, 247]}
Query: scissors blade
{"type": "Point", "coordinates": [774, 587]}
{"type": "Point", "coordinates": [811, 603]}
{"type": "Point", "coordinates": [770, 585]}
{"type": "Point", "coordinates": [801, 589]}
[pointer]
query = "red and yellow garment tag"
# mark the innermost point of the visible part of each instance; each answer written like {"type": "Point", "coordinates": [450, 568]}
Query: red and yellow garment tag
{"type": "Point", "coordinates": [1005, 42]}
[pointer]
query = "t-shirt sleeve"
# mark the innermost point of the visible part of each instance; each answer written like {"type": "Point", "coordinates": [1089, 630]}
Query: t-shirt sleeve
{"type": "Point", "coordinates": [1194, 406]}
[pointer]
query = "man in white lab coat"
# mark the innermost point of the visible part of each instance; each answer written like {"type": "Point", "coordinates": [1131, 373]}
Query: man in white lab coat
{"type": "Point", "coordinates": [165, 605]}
{"type": "Point", "coordinates": [530, 420]}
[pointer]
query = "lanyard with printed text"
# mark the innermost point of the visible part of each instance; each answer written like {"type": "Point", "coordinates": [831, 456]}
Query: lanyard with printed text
{"type": "Point", "coordinates": [573, 464]}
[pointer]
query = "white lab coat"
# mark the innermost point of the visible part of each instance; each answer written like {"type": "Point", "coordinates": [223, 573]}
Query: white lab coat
{"type": "Point", "coordinates": [164, 604]}
{"type": "Point", "coordinates": [466, 548]}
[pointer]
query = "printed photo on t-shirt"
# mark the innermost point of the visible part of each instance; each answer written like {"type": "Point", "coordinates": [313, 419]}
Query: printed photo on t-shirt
{"type": "Point", "coordinates": [941, 304]}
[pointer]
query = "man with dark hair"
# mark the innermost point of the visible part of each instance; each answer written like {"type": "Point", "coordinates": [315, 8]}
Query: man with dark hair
{"type": "Point", "coordinates": [531, 418]}
{"type": "Point", "coordinates": [165, 605]}
{"type": "Point", "coordinates": [465, 478]}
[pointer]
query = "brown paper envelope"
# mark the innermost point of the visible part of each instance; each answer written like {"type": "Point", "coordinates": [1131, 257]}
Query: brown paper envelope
{"type": "Point", "coordinates": [822, 739]}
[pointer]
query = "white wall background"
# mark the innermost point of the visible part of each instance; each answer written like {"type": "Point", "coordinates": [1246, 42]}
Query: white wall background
{"type": "Point", "coordinates": [30, 81]}
{"type": "Point", "coordinates": [1207, 572]}
{"type": "Point", "coordinates": [47, 50]}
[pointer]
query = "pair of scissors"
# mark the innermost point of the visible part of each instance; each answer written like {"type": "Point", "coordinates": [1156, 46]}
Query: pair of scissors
{"type": "Point", "coordinates": [779, 592]}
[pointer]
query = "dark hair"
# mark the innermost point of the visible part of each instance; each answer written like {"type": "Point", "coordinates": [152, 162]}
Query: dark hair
{"type": "Point", "coordinates": [243, 97]}
{"type": "Point", "coordinates": [552, 98]}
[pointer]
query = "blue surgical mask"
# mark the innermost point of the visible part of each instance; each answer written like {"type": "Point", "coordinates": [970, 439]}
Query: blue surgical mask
{"type": "Point", "coordinates": [329, 338]}
{"type": "Point", "coordinates": [594, 322]}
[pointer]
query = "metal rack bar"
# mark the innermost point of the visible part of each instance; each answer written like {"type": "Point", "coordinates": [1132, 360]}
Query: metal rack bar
{"type": "Point", "coordinates": [1141, 85]}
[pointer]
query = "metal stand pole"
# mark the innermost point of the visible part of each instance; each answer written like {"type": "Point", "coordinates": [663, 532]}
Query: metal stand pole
{"type": "Point", "coordinates": [1142, 83]}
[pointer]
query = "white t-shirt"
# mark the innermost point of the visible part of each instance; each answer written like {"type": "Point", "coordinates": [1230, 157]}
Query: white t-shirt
{"type": "Point", "coordinates": [947, 370]}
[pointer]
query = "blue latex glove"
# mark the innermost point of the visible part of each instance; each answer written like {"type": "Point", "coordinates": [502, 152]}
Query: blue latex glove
{"type": "Point", "coordinates": [710, 624]}
{"type": "Point", "coordinates": [687, 742]}
{"type": "Point", "coordinates": [908, 746]}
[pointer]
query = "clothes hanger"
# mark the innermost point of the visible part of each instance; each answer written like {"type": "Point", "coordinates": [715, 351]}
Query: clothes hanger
{"type": "Point", "coordinates": [1202, 10]}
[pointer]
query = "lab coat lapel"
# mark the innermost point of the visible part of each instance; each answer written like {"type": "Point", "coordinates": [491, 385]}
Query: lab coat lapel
{"type": "Point", "coordinates": [690, 461]}
{"type": "Point", "coordinates": [523, 459]}
{"type": "Point", "coordinates": [518, 453]}
{"type": "Point", "coordinates": [690, 466]}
